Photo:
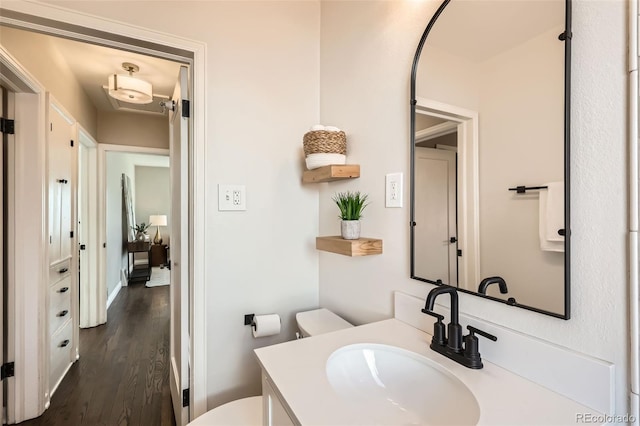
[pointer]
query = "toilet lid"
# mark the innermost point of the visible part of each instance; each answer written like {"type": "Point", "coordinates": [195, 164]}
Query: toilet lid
{"type": "Point", "coordinates": [320, 321]}
{"type": "Point", "coordinates": [241, 412]}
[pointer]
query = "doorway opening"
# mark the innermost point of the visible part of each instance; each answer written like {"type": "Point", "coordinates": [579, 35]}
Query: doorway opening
{"type": "Point", "coordinates": [193, 168]}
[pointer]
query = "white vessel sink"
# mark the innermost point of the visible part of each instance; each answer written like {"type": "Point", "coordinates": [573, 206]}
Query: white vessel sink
{"type": "Point", "coordinates": [394, 386]}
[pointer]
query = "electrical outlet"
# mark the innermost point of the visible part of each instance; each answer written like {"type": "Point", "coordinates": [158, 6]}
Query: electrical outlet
{"type": "Point", "coordinates": [232, 197]}
{"type": "Point", "coordinates": [393, 190]}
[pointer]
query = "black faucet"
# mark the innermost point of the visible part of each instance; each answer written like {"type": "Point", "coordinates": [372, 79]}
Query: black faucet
{"type": "Point", "coordinates": [482, 288]}
{"type": "Point", "coordinates": [463, 350]}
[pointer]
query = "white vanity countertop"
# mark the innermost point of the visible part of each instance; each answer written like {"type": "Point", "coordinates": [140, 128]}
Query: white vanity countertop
{"type": "Point", "coordinates": [297, 369]}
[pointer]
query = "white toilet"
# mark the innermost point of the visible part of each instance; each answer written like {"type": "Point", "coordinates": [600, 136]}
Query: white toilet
{"type": "Point", "coordinates": [248, 411]}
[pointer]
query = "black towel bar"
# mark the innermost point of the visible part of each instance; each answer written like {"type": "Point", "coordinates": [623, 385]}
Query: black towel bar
{"type": "Point", "coordinates": [523, 189]}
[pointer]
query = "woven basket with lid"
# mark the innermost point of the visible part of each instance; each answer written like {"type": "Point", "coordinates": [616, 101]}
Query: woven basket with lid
{"type": "Point", "coordinates": [323, 141]}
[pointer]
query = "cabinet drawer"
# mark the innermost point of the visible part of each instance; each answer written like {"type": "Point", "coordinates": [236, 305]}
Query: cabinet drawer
{"type": "Point", "coordinates": [59, 271]}
{"type": "Point", "coordinates": [60, 354]}
{"type": "Point", "coordinates": [59, 304]}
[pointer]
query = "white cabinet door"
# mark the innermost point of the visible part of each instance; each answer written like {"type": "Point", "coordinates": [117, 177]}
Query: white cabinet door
{"type": "Point", "coordinates": [60, 184]}
{"type": "Point", "coordinates": [273, 411]}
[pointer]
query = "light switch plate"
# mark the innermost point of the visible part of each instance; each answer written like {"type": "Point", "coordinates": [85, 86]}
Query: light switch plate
{"type": "Point", "coordinates": [232, 197]}
{"type": "Point", "coordinates": [393, 190]}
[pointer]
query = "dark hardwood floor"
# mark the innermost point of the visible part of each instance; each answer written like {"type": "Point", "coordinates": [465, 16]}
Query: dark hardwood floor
{"type": "Point", "coordinates": [122, 376]}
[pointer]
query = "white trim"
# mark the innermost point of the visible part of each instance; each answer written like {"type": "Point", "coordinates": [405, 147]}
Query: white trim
{"type": "Point", "coordinates": [27, 215]}
{"type": "Point", "coordinates": [176, 397]}
{"type": "Point", "coordinates": [433, 132]}
{"type": "Point", "coordinates": [634, 175]}
{"type": "Point", "coordinates": [198, 335]}
{"type": "Point", "coordinates": [114, 293]}
{"type": "Point", "coordinates": [466, 122]}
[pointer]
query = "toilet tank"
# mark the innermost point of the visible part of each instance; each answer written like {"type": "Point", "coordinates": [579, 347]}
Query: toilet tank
{"type": "Point", "coordinates": [319, 321]}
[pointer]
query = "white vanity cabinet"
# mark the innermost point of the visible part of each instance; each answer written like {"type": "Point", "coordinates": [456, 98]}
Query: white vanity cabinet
{"type": "Point", "coordinates": [62, 282]}
{"type": "Point", "coordinates": [274, 412]}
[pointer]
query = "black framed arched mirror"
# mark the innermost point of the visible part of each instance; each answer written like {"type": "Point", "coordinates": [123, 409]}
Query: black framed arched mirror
{"type": "Point", "coordinates": [490, 189]}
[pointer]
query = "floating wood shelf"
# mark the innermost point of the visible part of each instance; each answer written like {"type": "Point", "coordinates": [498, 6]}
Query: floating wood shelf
{"type": "Point", "coordinates": [360, 247]}
{"type": "Point", "coordinates": [331, 173]}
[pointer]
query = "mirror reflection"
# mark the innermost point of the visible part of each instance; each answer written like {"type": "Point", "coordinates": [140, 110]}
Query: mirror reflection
{"type": "Point", "coordinates": [489, 153]}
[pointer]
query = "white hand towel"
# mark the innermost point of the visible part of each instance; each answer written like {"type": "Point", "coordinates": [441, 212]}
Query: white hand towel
{"type": "Point", "coordinates": [551, 217]}
{"type": "Point", "coordinates": [317, 127]}
{"type": "Point", "coordinates": [331, 129]}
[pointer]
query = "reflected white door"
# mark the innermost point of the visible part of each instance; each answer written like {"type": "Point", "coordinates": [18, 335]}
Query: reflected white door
{"type": "Point", "coordinates": [435, 231]}
{"type": "Point", "coordinates": [179, 139]}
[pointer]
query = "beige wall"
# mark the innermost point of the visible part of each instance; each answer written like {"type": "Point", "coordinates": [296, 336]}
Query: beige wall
{"type": "Point", "coordinates": [262, 92]}
{"type": "Point", "coordinates": [264, 62]}
{"type": "Point", "coordinates": [36, 53]}
{"type": "Point", "coordinates": [366, 53]}
{"type": "Point", "coordinates": [146, 130]}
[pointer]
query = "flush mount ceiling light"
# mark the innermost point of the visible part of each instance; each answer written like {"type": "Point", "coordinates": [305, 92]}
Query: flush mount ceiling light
{"type": "Point", "coordinates": [128, 88]}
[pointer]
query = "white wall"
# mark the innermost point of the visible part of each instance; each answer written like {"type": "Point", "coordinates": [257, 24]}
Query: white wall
{"type": "Point", "coordinates": [118, 163]}
{"type": "Point", "coordinates": [366, 54]}
{"type": "Point", "coordinates": [36, 53]}
{"type": "Point", "coordinates": [262, 95]}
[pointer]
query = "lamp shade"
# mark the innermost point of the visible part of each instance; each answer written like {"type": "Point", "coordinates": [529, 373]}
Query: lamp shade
{"type": "Point", "coordinates": [158, 220]}
{"type": "Point", "coordinates": [130, 89]}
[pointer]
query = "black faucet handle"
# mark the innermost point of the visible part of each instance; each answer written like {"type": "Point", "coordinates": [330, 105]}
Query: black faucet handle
{"type": "Point", "coordinates": [473, 330]}
{"type": "Point", "coordinates": [439, 335]}
{"type": "Point", "coordinates": [433, 314]}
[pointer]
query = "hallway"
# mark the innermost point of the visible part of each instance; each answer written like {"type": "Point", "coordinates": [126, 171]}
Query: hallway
{"type": "Point", "coordinates": [122, 376]}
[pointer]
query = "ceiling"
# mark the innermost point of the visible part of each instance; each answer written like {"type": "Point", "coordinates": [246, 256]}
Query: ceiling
{"type": "Point", "coordinates": [478, 30]}
{"type": "Point", "coordinates": [92, 64]}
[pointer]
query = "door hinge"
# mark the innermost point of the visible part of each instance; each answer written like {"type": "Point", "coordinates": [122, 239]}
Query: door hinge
{"type": "Point", "coordinates": [72, 143]}
{"type": "Point", "coordinates": [83, 246]}
{"type": "Point", "coordinates": [7, 126]}
{"type": "Point", "coordinates": [185, 397]}
{"type": "Point", "coordinates": [71, 234]}
{"type": "Point", "coordinates": [7, 370]}
{"type": "Point", "coordinates": [186, 113]}
{"type": "Point", "coordinates": [459, 253]}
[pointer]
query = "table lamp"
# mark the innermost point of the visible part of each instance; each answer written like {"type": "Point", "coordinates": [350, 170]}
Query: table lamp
{"type": "Point", "coordinates": [158, 220]}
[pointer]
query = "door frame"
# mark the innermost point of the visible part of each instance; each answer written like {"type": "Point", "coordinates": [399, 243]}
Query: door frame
{"type": "Point", "coordinates": [27, 394]}
{"type": "Point", "coordinates": [102, 296]}
{"type": "Point", "coordinates": [468, 186]}
{"type": "Point", "coordinates": [83, 27]}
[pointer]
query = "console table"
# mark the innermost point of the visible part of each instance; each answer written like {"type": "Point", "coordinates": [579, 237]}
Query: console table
{"type": "Point", "coordinates": [139, 272]}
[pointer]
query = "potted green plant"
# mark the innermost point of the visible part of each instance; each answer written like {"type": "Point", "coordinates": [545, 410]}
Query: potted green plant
{"type": "Point", "coordinates": [351, 205]}
{"type": "Point", "coordinates": [141, 230]}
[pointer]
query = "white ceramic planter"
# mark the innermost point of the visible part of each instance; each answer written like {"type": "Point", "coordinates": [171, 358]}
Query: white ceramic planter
{"type": "Point", "coordinates": [350, 229]}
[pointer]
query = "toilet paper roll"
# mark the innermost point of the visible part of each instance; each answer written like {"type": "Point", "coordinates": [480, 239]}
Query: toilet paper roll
{"type": "Point", "coordinates": [266, 325]}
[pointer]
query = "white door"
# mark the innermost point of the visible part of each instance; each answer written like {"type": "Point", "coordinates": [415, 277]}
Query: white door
{"type": "Point", "coordinates": [92, 307]}
{"type": "Point", "coordinates": [435, 231]}
{"type": "Point", "coordinates": [179, 139]}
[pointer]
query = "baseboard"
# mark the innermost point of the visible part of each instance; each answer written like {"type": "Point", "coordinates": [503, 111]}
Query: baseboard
{"type": "Point", "coordinates": [113, 294]}
{"type": "Point", "coordinates": [124, 276]}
